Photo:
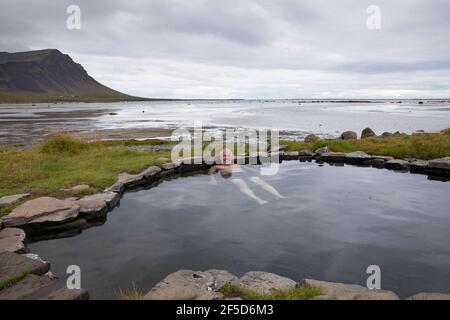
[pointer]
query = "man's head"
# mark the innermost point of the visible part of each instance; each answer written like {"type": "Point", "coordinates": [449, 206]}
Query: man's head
{"type": "Point", "coordinates": [226, 156]}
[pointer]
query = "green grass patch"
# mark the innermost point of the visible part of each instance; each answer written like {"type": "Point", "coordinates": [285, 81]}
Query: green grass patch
{"type": "Point", "coordinates": [423, 146]}
{"type": "Point", "coordinates": [64, 161]}
{"type": "Point", "coordinates": [296, 293]}
{"type": "Point", "coordinates": [10, 281]}
{"type": "Point", "coordinates": [131, 294]}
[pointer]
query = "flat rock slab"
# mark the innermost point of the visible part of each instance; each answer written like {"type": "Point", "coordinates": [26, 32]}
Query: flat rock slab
{"type": "Point", "coordinates": [429, 296]}
{"type": "Point", "coordinates": [170, 165]}
{"type": "Point", "coordinates": [45, 209]}
{"type": "Point", "coordinates": [442, 163]}
{"type": "Point", "coordinates": [35, 287]}
{"type": "Point", "coordinates": [10, 200]}
{"type": "Point", "coordinates": [357, 157]}
{"type": "Point", "coordinates": [402, 165]}
{"type": "Point", "coordinates": [341, 291]}
{"type": "Point", "coordinates": [290, 156]}
{"type": "Point", "coordinates": [385, 158]}
{"type": "Point", "coordinates": [376, 163]}
{"type": "Point", "coordinates": [124, 180]}
{"type": "Point", "coordinates": [419, 165]}
{"type": "Point", "coordinates": [150, 171]}
{"type": "Point", "coordinates": [265, 282]}
{"type": "Point", "coordinates": [185, 284]}
{"type": "Point", "coordinates": [306, 153]}
{"type": "Point", "coordinates": [333, 157]}
{"type": "Point", "coordinates": [11, 240]}
{"type": "Point", "coordinates": [13, 263]}
{"type": "Point", "coordinates": [98, 203]}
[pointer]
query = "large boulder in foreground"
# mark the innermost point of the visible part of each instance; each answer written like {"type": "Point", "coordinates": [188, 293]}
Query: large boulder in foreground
{"type": "Point", "coordinates": [342, 291]}
{"type": "Point", "coordinates": [45, 209]}
{"type": "Point", "coordinates": [188, 284]}
{"type": "Point", "coordinates": [367, 132]}
{"type": "Point", "coordinates": [349, 135]}
{"type": "Point", "coordinates": [265, 282]}
{"type": "Point", "coordinates": [11, 240]}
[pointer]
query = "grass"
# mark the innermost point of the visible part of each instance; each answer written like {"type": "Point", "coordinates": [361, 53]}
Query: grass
{"type": "Point", "coordinates": [135, 294]}
{"type": "Point", "coordinates": [10, 281]}
{"type": "Point", "coordinates": [131, 294]}
{"type": "Point", "coordinates": [296, 293]}
{"type": "Point", "coordinates": [64, 161]}
{"type": "Point", "coordinates": [424, 146]}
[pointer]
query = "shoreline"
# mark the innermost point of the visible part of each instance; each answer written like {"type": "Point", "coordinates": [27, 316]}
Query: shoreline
{"type": "Point", "coordinates": [46, 217]}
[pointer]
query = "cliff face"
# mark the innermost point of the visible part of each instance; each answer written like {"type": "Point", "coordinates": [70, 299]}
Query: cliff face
{"type": "Point", "coordinates": [49, 74]}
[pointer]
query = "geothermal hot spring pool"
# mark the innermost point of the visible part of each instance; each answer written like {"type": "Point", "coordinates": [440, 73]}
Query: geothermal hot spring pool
{"type": "Point", "coordinates": [333, 223]}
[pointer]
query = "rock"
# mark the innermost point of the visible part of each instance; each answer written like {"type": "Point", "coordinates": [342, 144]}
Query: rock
{"type": "Point", "coordinates": [289, 156]}
{"type": "Point", "coordinates": [35, 287]}
{"type": "Point", "coordinates": [376, 163]}
{"type": "Point", "coordinates": [384, 158]}
{"type": "Point", "coordinates": [279, 148]}
{"type": "Point", "coordinates": [79, 187]}
{"type": "Point", "coordinates": [13, 263]}
{"type": "Point", "coordinates": [150, 172]}
{"type": "Point", "coordinates": [333, 157]}
{"type": "Point", "coordinates": [265, 282]}
{"type": "Point", "coordinates": [306, 153]}
{"type": "Point", "coordinates": [341, 291]}
{"type": "Point", "coordinates": [35, 257]}
{"type": "Point", "coordinates": [429, 296]}
{"type": "Point", "coordinates": [124, 180]}
{"type": "Point", "coordinates": [322, 150]}
{"type": "Point", "coordinates": [170, 165]}
{"type": "Point", "coordinates": [11, 240]}
{"type": "Point", "coordinates": [185, 284]}
{"type": "Point", "coordinates": [349, 135]}
{"type": "Point", "coordinates": [357, 157]}
{"type": "Point", "coordinates": [98, 204]}
{"type": "Point", "coordinates": [367, 132]}
{"type": "Point", "coordinates": [419, 165]}
{"type": "Point", "coordinates": [10, 200]}
{"type": "Point", "coordinates": [402, 165]}
{"type": "Point", "coordinates": [386, 134]}
{"type": "Point", "coordinates": [45, 209]}
{"type": "Point", "coordinates": [311, 138]}
{"type": "Point", "coordinates": [50, 275]}
{"type": "Point", "coordinates": [442, 163]}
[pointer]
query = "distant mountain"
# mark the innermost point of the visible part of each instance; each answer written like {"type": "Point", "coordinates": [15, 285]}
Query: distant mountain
{"type": "Point", "coordinates": [49, 75]}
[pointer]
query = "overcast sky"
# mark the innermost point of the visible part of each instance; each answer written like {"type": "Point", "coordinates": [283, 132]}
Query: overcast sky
{"type": "Point", "coordinates": [245, 48]}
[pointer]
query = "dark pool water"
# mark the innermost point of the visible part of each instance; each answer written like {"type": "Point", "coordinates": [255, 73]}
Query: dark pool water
{"type": "Point", "coordinates": [334, 223]}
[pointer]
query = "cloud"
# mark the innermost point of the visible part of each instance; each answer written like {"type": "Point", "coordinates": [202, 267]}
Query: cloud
{"type": "Point", "coordinates": [249, 49]}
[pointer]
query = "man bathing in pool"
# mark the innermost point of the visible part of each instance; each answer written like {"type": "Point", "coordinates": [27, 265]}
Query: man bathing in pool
{"type": "Point", "coordinates": [226, 170]}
